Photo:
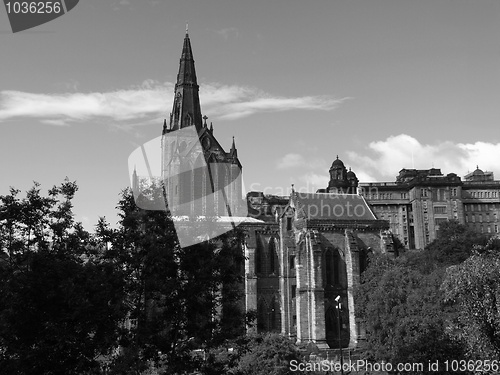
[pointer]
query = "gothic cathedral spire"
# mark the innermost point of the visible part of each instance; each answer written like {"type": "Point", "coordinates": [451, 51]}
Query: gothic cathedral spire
{"type": "Point", "coordinates": [186, 110]}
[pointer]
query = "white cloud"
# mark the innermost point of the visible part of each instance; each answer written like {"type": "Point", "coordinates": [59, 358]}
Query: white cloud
{"type": "Point", "coordinates": [61, 109]}
{"type": "Point", "coordinates": [233, 102]}
{"type": "Point", "coordinates": [290, 161]}
{"type": "Point", "coordinates": [150, 100]}
{"type": "Point", "coordinates": [387, 157]}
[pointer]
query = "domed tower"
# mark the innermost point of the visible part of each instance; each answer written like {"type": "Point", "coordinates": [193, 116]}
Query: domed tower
{"type": "Point", "coordinates": [479, 175]}
{"type": "Point", "coordinates": [353, 181]}
{"type": "Point", "coordinates": [341, 181]}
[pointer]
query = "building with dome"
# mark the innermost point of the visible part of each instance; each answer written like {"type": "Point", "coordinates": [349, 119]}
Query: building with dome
{"type": "Point", "coordinates": [341, 180]}
{"type": "Point", "coordinates": [310, 248]}
{"type": "Point", "coordinates": [305, 255]}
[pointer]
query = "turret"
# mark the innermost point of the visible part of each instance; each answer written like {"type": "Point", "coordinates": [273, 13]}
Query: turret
{"type": "Point", "coordinates": [340, 179]}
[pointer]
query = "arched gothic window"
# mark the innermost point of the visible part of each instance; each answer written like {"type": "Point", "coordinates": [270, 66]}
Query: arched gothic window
{"type": "Point", "coordinates": [273, 257]}
{"type": "Point", "coordinates": [332, 269]}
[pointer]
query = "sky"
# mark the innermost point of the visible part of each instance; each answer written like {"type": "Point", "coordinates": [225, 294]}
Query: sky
{"type": "Point", "coordinates": [384, 85]}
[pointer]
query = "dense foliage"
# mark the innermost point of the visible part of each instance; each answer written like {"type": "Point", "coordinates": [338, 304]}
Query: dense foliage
{"type": "Point", "coordinates": [473, 289]}
{"type": "Point", "coordinates": [120, 300]}
{"type": "Point", "coordinates": [253, 354]}
{"type": "Point", "coordinates": [61, 301]}
{"type": "Point", "coordinates": [421, 306]}
{"type": "Point", "coordinates": [180, 299]}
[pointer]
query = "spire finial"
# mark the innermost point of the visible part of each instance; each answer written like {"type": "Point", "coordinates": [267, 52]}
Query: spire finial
{"type": "Point", "coordinates": [187, 28]}
{"type": "Point", "coordinates": [205, 121]}
{"type": "Point", "coordinates": [337, 157]}
{"type": "Point", "coordinates": [477, 166]}
{"type": "Point", "coordinates": [233, 149]}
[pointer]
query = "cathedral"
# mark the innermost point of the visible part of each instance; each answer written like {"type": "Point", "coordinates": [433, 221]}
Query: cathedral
{"type": "Point", "coordinates": [305, 252]}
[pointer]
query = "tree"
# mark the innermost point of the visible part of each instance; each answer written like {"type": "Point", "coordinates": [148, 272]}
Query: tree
{"type": "Point", "coordinates": [269, 354]}
{"type": "Point", "coordinates": [60, 302]}
{"type": "Point", "coordinates": [403, 305]}
{"type": "Point", "coordinates": [404, 314]}
{"type": "Point", "coordinates": [454, 244]}
{"type": "Point", "coordinates": [473, 288]}
{"type": "Point", "coordinates": [145, 248]}
{"type": "Point", "coordinates": [180, 299]}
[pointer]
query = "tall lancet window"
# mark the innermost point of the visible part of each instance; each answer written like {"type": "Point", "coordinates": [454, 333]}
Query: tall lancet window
{"type": "Point", "coordinates": [332, 267]}
{"type": "Point", "coordinates": [258, 258]}
{"type": "Point", "coordinates": [273, 257]}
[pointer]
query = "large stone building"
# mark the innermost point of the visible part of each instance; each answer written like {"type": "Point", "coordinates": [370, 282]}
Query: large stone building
{"type": "Point", "coordinates": [304, 257]}
{"type": "Point", "coordinates": [419, 200]}
{"type": "Point", "coordinates": [305, 252]}
{"type": "Point", "coordinates": [310, 248]}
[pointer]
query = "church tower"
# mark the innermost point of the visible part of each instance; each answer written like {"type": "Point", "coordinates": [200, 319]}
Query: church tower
{"type": "Point", "coordinates": [341, 180]}
{"type": "Point", "coordinates": [199, 177]}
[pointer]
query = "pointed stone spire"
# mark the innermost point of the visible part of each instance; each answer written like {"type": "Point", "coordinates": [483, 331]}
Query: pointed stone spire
{"type": "Point", "coordinates": [233, 151]}
{"type": "Point", "coordinates": [211, 127]}
{"type": "Point", "coordinates": [164, 126]}
{"type": "Point", "coordinates": [186, 110]}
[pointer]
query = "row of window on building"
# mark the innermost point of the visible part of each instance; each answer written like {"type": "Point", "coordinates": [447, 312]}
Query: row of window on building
{"type": "Point", "coordinates": [389, 207]}
{"type": "Point", "coordinates": [439, 194]}
{"type": "Point", "coordinates": [439, 209]}
{"type": "Point", "coordinates": [481, 207]}
{"type": "Point", "coordinates": [473, 218]}
{"type": "Point", "coordinates": [487, 228]}
{"type": "Point", "coordinates": [386, 196]}
{"type": "Point", "coordinates": [483, 194]}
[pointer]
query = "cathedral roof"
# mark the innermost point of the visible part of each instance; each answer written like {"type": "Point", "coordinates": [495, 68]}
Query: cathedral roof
{"type": "Point", "coordinates": [331, 206]}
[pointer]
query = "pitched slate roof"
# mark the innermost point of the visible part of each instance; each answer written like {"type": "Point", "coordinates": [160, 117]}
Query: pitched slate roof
{"type": "Point", "coordinates": [331, 206]}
